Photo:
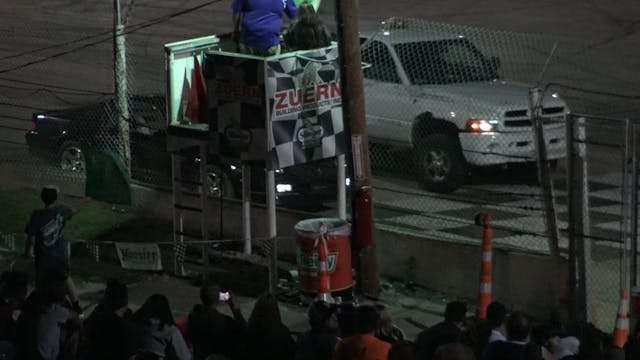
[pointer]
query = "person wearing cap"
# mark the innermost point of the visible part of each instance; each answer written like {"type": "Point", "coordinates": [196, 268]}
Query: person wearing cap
{"type": "Point", "coordinates": [257, 24]}
{"type": "Point", "coordinates": [319, 342]}
{"type": "Point", "coordinates": [45, 234]}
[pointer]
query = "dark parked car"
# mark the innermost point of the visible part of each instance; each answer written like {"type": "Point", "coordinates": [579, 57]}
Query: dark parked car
{"type": "Point", "coordinates": [63, 136]}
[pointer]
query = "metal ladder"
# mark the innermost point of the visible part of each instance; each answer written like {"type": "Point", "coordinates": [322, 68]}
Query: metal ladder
{"type": "Point", "coordinates": [181, 206]}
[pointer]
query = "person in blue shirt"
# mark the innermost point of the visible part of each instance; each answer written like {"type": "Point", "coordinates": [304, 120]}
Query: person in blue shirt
{"type": "Point", "coordinates": [45, 234]}
{"type": "Point", "coordinates": [257, 24]}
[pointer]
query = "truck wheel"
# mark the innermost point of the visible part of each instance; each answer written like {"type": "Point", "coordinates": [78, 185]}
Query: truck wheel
{"type": "Point", "coordinates": [71, 157]}
{"type": "Point", "coordinates": [439, 163]}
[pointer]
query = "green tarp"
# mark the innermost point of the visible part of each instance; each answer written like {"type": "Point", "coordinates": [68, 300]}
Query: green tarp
{"type": "Point", "coordinates": [107, 178]}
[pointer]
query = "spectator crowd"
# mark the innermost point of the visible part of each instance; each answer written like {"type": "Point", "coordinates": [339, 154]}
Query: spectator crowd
{"type": "Point", "coordinates": [45, 324]}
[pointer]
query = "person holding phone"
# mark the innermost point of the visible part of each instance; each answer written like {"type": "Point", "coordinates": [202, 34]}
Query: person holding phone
{"type": "Point", "coordinates": [212, 332]}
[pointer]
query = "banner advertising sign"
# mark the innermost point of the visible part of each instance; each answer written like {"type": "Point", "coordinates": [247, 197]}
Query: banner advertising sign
{"type": "Point", "coordinates": [235, 88]}
{"type": "Point", "coordinates": [136, 256]}
{"type": "Point", "coordinates": [305, 107]}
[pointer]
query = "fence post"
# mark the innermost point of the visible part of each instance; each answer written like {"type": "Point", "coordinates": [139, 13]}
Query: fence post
{"type": "Point", "coordinates": [544, 177]}
{"type": "Point", "coordinates": [635, 289]}
{"type": "Point", "coordinates": [578, 220]}
{"type": "Point", "coordinates": [634, 205]}
{"type": "Point", "coordinates": [273, 233]}
{"type": "Point", "coordinates": [622, 321]}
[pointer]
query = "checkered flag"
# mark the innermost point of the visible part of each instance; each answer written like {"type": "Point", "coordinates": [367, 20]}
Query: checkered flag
{"type": "Point", "coordinates": [180, 251]}
{"type": "Point", "coordinates": [305, 107]}
{"type": "Point", "coordinates": [270, 249]}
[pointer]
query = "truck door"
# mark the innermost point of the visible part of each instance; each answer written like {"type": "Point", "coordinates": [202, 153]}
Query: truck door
{"type": "Point", "coordinates": [386, 98]}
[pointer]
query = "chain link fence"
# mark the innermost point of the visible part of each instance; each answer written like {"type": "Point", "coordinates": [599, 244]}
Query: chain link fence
{"type": "Point", "coordinates": [449, 115]}
{"type": "Point", "coordinates": [602, 212]}
{"type": "Point", "coordinates": [58, 101]}
{"type": "Point", "coordinates": [448, 112]}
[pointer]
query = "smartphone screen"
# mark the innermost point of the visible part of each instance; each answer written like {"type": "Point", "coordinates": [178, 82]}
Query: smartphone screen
{"type": "Point", "coordinates": [224, 296]}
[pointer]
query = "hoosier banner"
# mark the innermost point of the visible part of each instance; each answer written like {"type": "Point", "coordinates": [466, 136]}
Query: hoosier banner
{"type": "Point", "coordinates": [137, 256]}
{"type": "Point", "coordinates": [305, 107]}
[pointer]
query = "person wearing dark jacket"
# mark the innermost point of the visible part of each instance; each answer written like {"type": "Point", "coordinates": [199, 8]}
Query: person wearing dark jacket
{"type": "Point", "coordinates": [517, 346]}
{"type": "Point", "coordinates": [307, 31]}
{"type": "Point", "coordinates": [109, 332]}
{"type": "Point", "coordinates": [268, 338]}
{"type": "Point", "coordinates": [448, 331]}
{"type": "Point", "coordinates": [212, 332]}
{"type": "Point", "coordinates": [320, 342]}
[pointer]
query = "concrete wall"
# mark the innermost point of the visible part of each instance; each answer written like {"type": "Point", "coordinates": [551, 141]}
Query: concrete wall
{"type": "Point", "coordinates": [529, 282]}
{"type": "Point", "coordinates": [526, 281]}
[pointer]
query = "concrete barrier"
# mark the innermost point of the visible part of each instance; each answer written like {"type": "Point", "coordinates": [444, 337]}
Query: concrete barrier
{"type": "Point", "coordinates": [529, 282]}
{"type": "Point", "coordinates": [525, 281]}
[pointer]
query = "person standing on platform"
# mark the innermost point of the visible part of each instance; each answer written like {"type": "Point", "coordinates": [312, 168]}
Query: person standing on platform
{"type": "Point", "coordinates": [257, 24]}
{"type": "Point", "coordinates": [307, 31]}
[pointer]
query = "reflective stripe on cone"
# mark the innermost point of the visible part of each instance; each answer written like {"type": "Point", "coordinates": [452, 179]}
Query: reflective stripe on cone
{"type": "Point", "coordinates": [621, 332]}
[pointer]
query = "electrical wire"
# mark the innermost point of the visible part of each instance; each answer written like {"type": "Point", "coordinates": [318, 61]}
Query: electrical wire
{"type": "Point", "coordinates": [129, 30]}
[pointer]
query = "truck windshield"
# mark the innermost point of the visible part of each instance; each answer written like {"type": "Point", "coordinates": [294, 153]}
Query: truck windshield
{"type": "Point", "coordinates": [444, 62]}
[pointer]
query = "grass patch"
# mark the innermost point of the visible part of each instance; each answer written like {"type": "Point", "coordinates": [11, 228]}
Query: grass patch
{"type": "Point", "coordinates": [17, 205]}
{"type": "Point", "coordinates": [93, 220]}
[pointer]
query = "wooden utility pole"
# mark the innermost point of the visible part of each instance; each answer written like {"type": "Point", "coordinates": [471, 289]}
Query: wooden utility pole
{"type": "Point", "coordinates": [120, 82]}
{"type": "Point", "coordinates": [355, 124]}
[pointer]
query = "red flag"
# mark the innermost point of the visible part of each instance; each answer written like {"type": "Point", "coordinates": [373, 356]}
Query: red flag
{"type": "Point", "coordinates": [197, 107]}
{"type": "Point", "coordinates": [184, 99]}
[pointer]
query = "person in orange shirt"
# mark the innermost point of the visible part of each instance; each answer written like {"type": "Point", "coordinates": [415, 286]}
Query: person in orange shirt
{"type": "Point", "coordinates": [364, 345]}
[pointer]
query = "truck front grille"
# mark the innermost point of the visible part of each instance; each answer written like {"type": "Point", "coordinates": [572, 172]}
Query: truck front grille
{"type": "Point", "coordinates": [520, 118]}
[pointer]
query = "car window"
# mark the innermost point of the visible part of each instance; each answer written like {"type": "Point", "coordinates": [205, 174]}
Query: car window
{"type": "Point", "coordinates": [381, 64]}
{"type": "Point", "coordinates": [443, 62]}
{"type": "Point", "coordinates": [460, 53]}
{"type": "Point", "coordinates": [146, 117]}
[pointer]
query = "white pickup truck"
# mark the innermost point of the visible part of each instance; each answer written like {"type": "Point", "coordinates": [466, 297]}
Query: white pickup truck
{"type": "Point", "coordinates": [438, 94]}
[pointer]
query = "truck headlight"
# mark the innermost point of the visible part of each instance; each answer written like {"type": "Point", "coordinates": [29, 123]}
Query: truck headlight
{"type": "Point", "coordinates": [481, 125]}
{"type": "Point", "coordinates": [283, 188]}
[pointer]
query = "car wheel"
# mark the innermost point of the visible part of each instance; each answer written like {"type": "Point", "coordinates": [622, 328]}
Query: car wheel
{"type": "Point", "coordinates": [219, 184]}
{"type": "Point", "coordinates": [71, 157]}
{"type": "Point", "coordinates": [439, 163]}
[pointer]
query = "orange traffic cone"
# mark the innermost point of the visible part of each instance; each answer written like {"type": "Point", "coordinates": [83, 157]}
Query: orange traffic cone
{"type": "Point", "coordinates": [621, 331]}
{"type": "Point", "coordinates": [486, 269]}
{"type": "Point", "coordinates": [323, 268]}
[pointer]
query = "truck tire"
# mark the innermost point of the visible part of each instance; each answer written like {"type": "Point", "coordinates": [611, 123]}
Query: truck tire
{"type": "Point", "coordinates": [439, 163]}
{"type": "Point", "coordinates": [71, 157]}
